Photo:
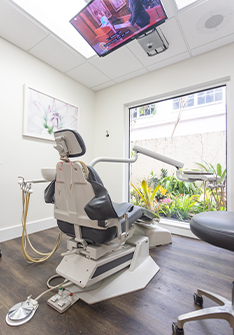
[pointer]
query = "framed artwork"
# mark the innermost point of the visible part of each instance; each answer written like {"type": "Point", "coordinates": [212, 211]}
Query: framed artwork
{"type": "Point", "coordinates": [117, 4]}
{"type": "Point", "coordinates": [98, 9]}
{"type": "Point", "coordinates": [43, 114]}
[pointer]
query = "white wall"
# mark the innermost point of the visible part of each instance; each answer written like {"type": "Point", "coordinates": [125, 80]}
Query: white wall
{"type": "Point", "coordinates": [111, 110]}
{"type": "Point", "coordinates": [24, 156]}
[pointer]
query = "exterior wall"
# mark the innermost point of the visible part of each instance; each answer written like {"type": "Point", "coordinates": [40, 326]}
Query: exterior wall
{"type": "Point", "coordinates": [189, 149]}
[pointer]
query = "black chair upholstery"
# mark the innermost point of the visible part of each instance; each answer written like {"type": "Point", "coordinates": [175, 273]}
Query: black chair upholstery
{"type": "Point", "coordinates": [216, 228]}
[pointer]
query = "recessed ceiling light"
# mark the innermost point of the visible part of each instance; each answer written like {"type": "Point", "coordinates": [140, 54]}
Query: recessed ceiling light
{"type": "Point", "coordinates": [183, 3]}
{"type": "Point", "coordinates": [55, 15]}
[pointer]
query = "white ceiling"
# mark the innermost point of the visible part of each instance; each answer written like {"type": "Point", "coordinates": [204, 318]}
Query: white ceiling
{"type": "Point", "coordinates": [185, 30]}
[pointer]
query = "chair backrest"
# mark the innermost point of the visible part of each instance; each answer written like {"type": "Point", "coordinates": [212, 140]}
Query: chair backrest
{"type": "Point", "coordinates": [72, 193]}
{"type": "Point", "coordinates": [80, 198]}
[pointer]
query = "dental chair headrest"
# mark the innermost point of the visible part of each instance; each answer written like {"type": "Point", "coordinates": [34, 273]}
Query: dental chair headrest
{"type": "Point", "coordinates": [69, 143]}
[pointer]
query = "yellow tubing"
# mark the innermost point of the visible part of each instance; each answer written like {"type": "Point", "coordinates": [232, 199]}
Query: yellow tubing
{"type": "Point", "coordinates": [25, 237]}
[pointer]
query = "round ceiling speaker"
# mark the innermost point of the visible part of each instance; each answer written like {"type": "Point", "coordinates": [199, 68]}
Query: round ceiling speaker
{"type": "Point", "coordinates": [215, 20]}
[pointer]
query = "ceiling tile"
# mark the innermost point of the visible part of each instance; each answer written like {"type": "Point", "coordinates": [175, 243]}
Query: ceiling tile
{"type": "Point", "coordinates": [168, 61]}
{"type": "Point", "coordinates": [213, 45]}
{"type": "Point", "coordinates": [170, 7]}
{"type": "Point", "coordinates": [118, 63]}
{"type": "Point", "coordinates": [102, 86]}
{"type": "Point", "coordinates": [174, 37]}
{"type": "Point", "coordinates": [131, 75]}
{"type": "Point", "coordinates": [88, 75]}
{"type": "Point", "coordinates": [57, 54]}
{"type": "Point", "coordinates": [18, 28]}
{"type": "Point", "coordinates": [194, 21]}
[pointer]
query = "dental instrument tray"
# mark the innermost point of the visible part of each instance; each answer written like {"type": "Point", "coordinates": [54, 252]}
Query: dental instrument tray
{"type": "Point", "coordinates": [197, 172]}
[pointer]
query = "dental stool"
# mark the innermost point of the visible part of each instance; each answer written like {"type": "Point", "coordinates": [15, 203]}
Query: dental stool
{"type": "Point", "coordinates": [216, 228]}
{"type": "Point", "coordinates": [105, 258]}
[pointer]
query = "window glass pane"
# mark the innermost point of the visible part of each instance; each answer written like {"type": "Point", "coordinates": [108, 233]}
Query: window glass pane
{"type": "Point", "coordinates": [190, 101]}
{"type": "Point", "coordinates": [201, 98]}
{"type": "Point", "coordinates": [218, 94]}
{"type": "Point", "coordinates": [142, 111]}
{"type": "Point", "coordinates": [135, 113]}
{"type": "Point", "coordinates": [147, 110]}
{"type": "Point", "coordinates": [209, 96]}
{"type": "Point", "coordinates": [176, 104]}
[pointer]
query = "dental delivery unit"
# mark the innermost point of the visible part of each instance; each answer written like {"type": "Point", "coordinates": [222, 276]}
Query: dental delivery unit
{"type": "Point", "coordinates": [107, 253]}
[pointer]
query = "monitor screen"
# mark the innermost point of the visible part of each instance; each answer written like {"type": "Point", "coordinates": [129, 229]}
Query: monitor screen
{"type": "Point", "coordinates": [108, 24]}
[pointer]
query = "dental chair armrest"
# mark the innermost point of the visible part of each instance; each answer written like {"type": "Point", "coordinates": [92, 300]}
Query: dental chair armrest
{"type": "Point", "coordinates": [122, 208]}
{"type": "Point", "coordinates": [146, 215]}
{"type": "Point", "coordinates": [100, 207]}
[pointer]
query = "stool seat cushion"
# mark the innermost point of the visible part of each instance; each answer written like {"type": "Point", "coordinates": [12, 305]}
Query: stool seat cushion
{"type": "Point", "coordinates": [216, 228]}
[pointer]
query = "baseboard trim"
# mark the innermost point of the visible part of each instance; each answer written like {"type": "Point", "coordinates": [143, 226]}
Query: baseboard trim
{"type": "Point", "coordinates": [177, 227]}
{"type": "Point", "coordinates": [10, 233]}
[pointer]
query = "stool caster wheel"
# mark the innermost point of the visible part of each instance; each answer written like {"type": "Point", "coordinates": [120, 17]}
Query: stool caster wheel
{"type": "Point", "coordinates": [198, 300]}
{"type": "Point", "coordinates": [176, 330]}
{"type": "Point", "coordinates": [0, 253]}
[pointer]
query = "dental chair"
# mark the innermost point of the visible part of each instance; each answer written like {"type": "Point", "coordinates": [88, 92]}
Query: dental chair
{"type": "Point", "coordinates": [105, 258]}
{"type": "Point", "coordinates": [216, 228]}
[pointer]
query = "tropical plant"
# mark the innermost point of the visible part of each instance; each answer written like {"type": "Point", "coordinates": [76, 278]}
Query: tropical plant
{"type": "Point", "coordinates": [161, 193]}
{"type": "Point", "coordinates": [175, 186]}
{"type": "Point", "coordinates": [205, 202]}
{"type": "Point", "coordinates": [217, 188]}
{"type": "Point", "coordinates": [135, 198]}
{"type": "Point", "coordinates": [185, 206]}
{"type": "Point", "coordinates": [166, 207]}
{"type": "Point", "coordinates": [153, 181]}
{"type": "Point", "coordinates": [146, 194]}
{"type": "Point", "coordinates": [218, 171]}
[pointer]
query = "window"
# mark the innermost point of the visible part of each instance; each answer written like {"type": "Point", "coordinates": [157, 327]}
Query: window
{"type": "Point", "coordinates": [146, 110]}
{"type": "Point", "coordinates": [201, 98]}
{"type": "Point", "coordinates": [183, 102]}
{"type": "Point", "coordinates": [190, 129]}
{"type": "Point", "coordinates": [206, 97]}
{"type": "Point", "coordinates": [210, 96]}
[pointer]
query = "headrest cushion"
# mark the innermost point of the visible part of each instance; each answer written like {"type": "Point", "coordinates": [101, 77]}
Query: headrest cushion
{"type": "Point", "coordinates": [69, 143]}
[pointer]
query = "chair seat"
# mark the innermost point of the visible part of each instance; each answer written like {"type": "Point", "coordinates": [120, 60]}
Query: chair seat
{"type": "Point", "coordinates": [216, 228]}
{"type": "Point", "coordinates": [99, 236]}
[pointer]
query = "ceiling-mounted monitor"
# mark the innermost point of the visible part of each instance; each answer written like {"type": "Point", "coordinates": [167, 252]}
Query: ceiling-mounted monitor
{"type": "Point", "coordinates": [108, 24]}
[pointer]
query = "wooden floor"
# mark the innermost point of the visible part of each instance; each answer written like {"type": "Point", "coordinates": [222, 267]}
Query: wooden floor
{"type": "Point", "coordinates": [184, 265]}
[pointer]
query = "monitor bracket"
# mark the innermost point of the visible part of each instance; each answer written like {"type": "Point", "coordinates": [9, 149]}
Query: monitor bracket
{"type": "Point", "coordinates": [153, 42]}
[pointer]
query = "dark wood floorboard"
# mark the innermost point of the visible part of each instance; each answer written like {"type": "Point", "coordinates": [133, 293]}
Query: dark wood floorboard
{"type": "Point", "coordinates": [184, 265]}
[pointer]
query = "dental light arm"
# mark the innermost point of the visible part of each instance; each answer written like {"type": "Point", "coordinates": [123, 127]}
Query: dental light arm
{"type": "Point", "coordinates": [187, 176]}
{"type": "Point", "coordinates": [138, 149]}
{"type": "Point", "coordinates": [159, 157]}
{"type": "Point", "coordinates": [114, 160]}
